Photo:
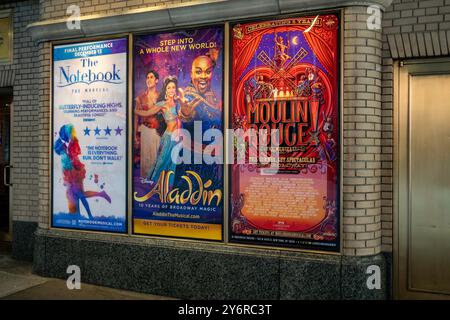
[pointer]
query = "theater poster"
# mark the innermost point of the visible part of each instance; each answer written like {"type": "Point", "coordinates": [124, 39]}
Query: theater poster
{"type": "Point", "coordinates": [177, 109]}
{"type": "Point", "coordinates": [89, 136]}
{"type": "Point", "coordinates": [285, 77]}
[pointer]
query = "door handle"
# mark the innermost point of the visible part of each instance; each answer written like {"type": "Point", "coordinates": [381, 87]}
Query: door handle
{"type": "Point", "coordinates": [5, 170]}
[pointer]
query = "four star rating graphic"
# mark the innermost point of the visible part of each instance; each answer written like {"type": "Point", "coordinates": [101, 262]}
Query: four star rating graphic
{"type": "Point", "coordinates": [106, 131]}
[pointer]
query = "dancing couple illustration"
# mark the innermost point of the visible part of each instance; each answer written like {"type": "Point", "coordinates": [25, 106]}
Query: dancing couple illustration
{"type": "Point", "coordinates": [74, 172]}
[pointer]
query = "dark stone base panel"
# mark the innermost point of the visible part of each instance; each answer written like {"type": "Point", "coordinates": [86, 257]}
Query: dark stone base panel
{"type": "Point", "coordinates": [199, 270]}
{"type": "Point", "coordinates": [23, 240]}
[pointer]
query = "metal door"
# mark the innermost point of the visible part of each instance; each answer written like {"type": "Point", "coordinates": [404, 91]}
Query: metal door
{"type": "Point", "coordinates": [422, 226]}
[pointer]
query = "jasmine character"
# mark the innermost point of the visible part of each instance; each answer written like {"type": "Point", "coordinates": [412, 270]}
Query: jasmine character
{"type": "Point", "coordinates": [168, 105]}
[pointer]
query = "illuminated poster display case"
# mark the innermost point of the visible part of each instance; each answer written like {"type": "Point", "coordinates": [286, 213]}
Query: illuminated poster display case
{"type": "Point", "coordinates": [177, 101]}
{"type": "Point", "coordinates": [89, 135]}
{"type": "Point", "coordinates": [285, 81]}
{"type": "Point", "coordinates": [275, 83]}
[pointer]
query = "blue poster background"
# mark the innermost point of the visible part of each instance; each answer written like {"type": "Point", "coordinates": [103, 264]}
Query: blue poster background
{"type": "Point", "coordinates": [90, 136]}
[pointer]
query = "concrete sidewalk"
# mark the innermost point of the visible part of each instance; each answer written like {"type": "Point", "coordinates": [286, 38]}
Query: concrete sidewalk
{"type": "Point", "coordinates": [18, 282]}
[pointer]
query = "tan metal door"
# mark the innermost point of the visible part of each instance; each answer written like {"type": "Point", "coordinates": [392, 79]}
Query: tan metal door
{"type": "Point", "coordinates": [422, 233]}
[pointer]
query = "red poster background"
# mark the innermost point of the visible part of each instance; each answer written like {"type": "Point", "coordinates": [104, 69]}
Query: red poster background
{"type": "Point", "coordinates": [288, 64]}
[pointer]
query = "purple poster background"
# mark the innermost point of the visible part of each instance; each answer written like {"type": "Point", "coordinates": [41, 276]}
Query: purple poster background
{"type": "Point", "coordinates": [158, 58]}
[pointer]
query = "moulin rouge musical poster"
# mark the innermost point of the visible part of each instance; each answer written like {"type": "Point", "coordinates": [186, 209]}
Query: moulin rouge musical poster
{"type": "Point", "coordinates": [285, 77]}
{"type": "Point", "coordinates": [177, 88]}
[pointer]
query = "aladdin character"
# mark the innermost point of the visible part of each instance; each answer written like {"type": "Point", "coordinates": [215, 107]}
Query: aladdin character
{"type": "Point", "coordinates": [167, 104]}
{"type": "Point", "coordinates": [198, 101]}
{"type": "Point", "coordinates": [150, 127]}
{"type": "Point", "coordinates": [199, 104]}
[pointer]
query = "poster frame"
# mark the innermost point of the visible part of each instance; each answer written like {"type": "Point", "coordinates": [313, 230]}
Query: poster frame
{"type": "Point", "coordinates": [227, 95]}
{"type": "Point", "coordinates": [75, 41]}
{"type": "Point", "coordinates": [225, 51]}
{"type": "Point", "coordinates": [339, 99]}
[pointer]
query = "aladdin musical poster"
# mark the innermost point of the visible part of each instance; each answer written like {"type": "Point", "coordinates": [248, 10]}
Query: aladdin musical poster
{"type": "Point", "coordinates": [90, 135]}
{"type": "Point", "coordinates": [285, 80]}
{"type": "Point", "coordinates": [177, 105]}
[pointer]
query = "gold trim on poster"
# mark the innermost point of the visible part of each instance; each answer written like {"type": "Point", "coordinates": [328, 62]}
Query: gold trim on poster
{"type": "Point", "coordinates": [226, 109]}
{"type": "Point", "coordinates": [130, 139]}
{"type": "Point", "coordinates": [341, 134]}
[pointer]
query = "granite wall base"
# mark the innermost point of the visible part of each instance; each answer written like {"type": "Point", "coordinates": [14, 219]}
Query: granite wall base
{"type": "Point", "coordinates": [23, 240]}
{"type": "Point", "coordinates": [199, 270]}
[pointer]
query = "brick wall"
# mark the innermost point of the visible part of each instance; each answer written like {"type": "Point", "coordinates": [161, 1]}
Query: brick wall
{"type": "Point", "coordinates": [367, 112]}
{"type": "Point", "coordinates": [44, 139]}
{"type": "Point", "coordinates": [403, 16]}
{"type": "Point", "coordinates": [362, 135]}
{"type": "Point", "coordinates": [25, 112]}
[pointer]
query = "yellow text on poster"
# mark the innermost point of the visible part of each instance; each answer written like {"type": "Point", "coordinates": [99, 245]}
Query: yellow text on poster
{"type": "Point", "coordinates": [178, 229]}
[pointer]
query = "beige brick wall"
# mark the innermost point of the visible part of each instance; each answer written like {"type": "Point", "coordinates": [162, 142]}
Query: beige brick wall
{"type": "Point", "coordinates": [44, 140]}
{"type": "Point", "coordinates": [362, 135]}
{"type": "Point", "coordinates": [24, 148]}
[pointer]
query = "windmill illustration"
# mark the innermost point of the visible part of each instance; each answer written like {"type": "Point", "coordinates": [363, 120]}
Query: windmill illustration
{"type": "Point", "coordinates": [282, 76]}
